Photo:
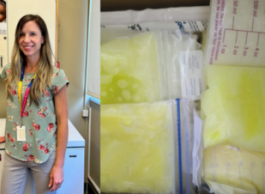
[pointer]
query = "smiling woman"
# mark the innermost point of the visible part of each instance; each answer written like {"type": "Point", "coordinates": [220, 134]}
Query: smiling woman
{"type": "Point", "coordinates": [37, 114]}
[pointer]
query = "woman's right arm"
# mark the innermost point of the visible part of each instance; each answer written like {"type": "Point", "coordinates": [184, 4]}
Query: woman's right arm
{"type": "Point", "coordinates": [3, 76]}
{"type": "Point", "coordinates": [2, 139]}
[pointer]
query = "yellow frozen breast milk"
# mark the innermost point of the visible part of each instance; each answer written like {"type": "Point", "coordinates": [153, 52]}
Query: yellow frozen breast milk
{"type": "Point", "coordinates": [137, 148]}
{"type": "Point", "coordinates": [232, 170]}
{"type": "Point", "coordinates": [234, 107]}
{"type": "Point", "coordinates": [129, 70]}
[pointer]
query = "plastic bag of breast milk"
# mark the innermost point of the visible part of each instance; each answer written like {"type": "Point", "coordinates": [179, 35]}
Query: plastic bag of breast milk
{"type": "Point", "coordinates": [149, 67]}
{"type": "Point", "coordinates": [146, 147]}
{"type": "Point", "coordinates": [233, 108]}
{"type": "Point", "coordinates": [230, 169]}
{"type": "Point", "coordinates": [130, 69]}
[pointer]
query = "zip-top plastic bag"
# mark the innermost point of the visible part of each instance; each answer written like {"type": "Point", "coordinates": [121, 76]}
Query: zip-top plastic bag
{"type": "Point", "coordinates": [146, 147]}
{"type": "Point", "coordinates": [146, 67]}
{"type": "Point", "coordinates": [233, 170]}
{"type": "Point", "coordinates": [233, 107]}
{"type": "Point", "coordinates": [137, 149]}
{"type": "Point", "coordinates": [225, 168]}
{"type": "Point", "coordinates": [130, 70]}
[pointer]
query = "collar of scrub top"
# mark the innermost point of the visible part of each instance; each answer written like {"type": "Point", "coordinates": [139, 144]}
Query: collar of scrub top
{"type": "Point", "coordinates": [23, 104]}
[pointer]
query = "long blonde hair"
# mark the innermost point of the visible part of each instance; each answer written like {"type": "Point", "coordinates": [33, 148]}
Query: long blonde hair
{"type": "Point", "coordinates": [45, 68]}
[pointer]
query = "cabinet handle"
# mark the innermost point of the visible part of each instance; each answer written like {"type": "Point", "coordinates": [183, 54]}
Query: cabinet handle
{"type": "Point", "coordinates": [73, 156]}
{"type": "Point", "coordinates": [0, 157]}
{"type": "Point", "coordinates": [1, 60]}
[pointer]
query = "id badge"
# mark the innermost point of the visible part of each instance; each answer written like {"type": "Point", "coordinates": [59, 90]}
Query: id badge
{"type": "Point", "coordinates": [21, 133]}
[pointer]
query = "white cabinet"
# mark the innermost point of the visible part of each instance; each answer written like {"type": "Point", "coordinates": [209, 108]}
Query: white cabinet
{"type": "Point", "coordinates": [73, 172]}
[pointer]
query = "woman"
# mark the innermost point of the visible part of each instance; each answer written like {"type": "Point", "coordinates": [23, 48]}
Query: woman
{"type": "Point", "coordinates": [37, 115]}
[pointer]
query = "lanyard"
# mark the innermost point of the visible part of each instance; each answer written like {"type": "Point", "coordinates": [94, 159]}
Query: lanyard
{"type": "Point", "coordinates": [23, 104]}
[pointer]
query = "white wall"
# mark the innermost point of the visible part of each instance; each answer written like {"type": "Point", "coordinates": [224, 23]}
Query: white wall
{"type": "Point", "coordinates": [93, 85]}
{"type": "Point", "coordinates": [72, 41]}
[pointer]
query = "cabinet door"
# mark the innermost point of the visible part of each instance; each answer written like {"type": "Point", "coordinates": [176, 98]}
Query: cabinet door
{"type": "Point", "coordinates": [94, 146]}
{"type": "Point", "coordinates": [73, 172]}
{"type": "Point", "coordinates": [17, 8]}
{"type": "Point", "coordinates": [3, 51]}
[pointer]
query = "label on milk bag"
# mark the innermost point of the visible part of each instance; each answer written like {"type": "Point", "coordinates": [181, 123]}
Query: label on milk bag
{"type": "Point", "coordinates": [191, 67]}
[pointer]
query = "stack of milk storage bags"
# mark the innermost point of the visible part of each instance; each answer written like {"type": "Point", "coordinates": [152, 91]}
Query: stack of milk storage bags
{"type": "Point", "coordinates": [233, 107]}
{"type": "Point", "coordinates": [151, 75]}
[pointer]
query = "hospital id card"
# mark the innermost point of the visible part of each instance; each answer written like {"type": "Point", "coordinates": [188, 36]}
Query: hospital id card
{"type": "Point", "coordinates": [21, 133]}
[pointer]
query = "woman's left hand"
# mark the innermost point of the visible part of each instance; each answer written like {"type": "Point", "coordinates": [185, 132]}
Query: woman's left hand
{"type": "Point", "coordinates": [56, 178]}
